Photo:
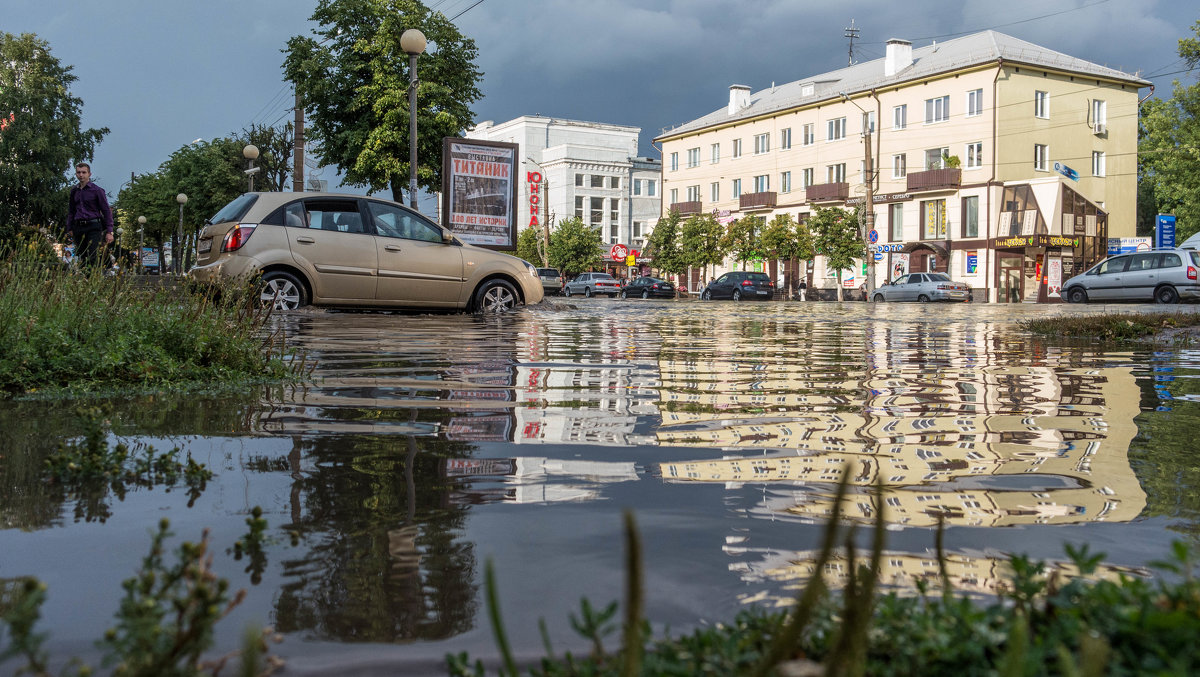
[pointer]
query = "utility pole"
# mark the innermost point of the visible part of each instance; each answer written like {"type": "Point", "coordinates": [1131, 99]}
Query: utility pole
{"type": "Point", "coordinates": [298, 149]}
{"type": "Point", "coordinates": [869, 217]}
{"type": "Point", "coordinates": [851, 33]}
{"type": "Point", "coordinates": [546, 224]}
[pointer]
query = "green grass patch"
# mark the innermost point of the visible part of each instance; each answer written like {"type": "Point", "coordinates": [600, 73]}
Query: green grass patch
{"type": "Point", "coordinates": [69, 333]}
{"type": "Point", "coordinates": [1111, 326]}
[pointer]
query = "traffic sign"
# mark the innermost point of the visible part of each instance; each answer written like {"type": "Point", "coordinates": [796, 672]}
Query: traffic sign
{"type": "Point", "coordinates": [873, 236]}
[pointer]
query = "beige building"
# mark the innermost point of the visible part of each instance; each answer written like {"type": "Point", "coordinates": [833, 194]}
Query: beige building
{"type": "Point", "coordinates": [1004, 164]}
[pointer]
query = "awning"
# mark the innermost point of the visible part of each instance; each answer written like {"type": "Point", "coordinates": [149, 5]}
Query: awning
{"type": "Point", "coordinates": [914, 246]}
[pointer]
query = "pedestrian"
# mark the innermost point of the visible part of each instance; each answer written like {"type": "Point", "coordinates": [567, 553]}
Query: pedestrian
{"type": "Point", "coordinates": [803, 288]}
{"type": "Point", "coordinates": [863, 288]}
{"type": "Point", "coordinates": [89, 218]}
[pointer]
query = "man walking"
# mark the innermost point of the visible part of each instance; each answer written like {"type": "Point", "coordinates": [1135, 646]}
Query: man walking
{"type": "Point", "coordinates": [89, 217]}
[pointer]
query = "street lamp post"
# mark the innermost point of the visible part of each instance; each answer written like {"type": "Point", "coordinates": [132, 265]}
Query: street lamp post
{"type": "Point", "coordinates": [250, 152]}
{"type": "Point", "coordinates": [412, 41]}
{"type": "Point", "coordinates": [141, 242]}
{"type": "Point", "coordinates": [868, 223]}
{"type": "Point", "coordinates": [176, 261]}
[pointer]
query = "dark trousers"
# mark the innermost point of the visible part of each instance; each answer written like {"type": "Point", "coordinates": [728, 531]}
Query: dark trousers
{"type": "Point", "coordinates": [89, 247]}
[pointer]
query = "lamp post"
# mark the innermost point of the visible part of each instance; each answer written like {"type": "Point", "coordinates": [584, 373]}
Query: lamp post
{"type": "Point", "coordinates": [868, 223]}
{"type": "Point", "coordinates": [176, 262]}
{"type": "Point", "coordinates": [412, 41]}
{"type": "Point", "coordinates": [250, 152]}
{"type": "Point", "coordinates": [141, 242]}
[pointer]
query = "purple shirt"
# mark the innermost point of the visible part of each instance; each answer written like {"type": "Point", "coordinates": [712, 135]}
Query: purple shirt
{"type": "Point", "coordinates": [89, 202]}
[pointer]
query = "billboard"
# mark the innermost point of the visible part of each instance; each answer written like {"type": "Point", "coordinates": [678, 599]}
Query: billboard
{"type": "Point", "coordinates": [479, 191]}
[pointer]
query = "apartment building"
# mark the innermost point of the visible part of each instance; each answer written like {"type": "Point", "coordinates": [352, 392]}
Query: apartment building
{"type": "Point", "coordinates": [588, 170]}
{"type": "Point", "coordinates": [1002, 163]}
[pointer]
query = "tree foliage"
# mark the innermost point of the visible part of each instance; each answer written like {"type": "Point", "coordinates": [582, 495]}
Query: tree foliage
{"type": "Point", "coordinates": [1169, 148]}
{"type": "Point", "coordinates": [743, 239]}
{"type": "Point", "coordinates": [530, 246]}
{"type": "Point", "coordinates": [574, 247]}
{"type": "Point", "coordinates": [275, 147]}
{"type": "Point", "coordinates": [663, 245]}
{"type": "Point", "coordinates": [836, 237]}
{"type": "Point", "coordinates": [353, 80]}
{"type": "Point", "coordinates": [40, 134]}
{"type": "Point", "coordinates": [700, 242]}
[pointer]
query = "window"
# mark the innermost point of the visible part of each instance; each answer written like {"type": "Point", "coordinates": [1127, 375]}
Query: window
{"type": "Point", "coordinates": [1097, 163]}
{"type": "Point", "coordinates": [715, 153]}
{"type": "Point", "coordinates": [1040, 154]}
{"type": "Point", "coordinates": [933, 216]}
{"type": "Point", "coordinates": [737, 188]}
{"type": "Point", "coordinates": [937, 110]}
{"type": "Point", "coordinates": [896, 221]}
{"type": "Point", "coordinates": [974, 103]}
{"type": "Point", "coordinates": [597, 215]}
{"type": "Point", "coordinates": [737, 148]}
{"type": "Point", "coordinates": [392, 221]}
{"type": "Point", "coordinates": [809, 134]}
{"type": "Point", "coordinates": [637, 186]}
{"type": "Point", "coordinates": [714, 191]}
{"type": "Point", "coordinates": [835, 173]}
{"type": "Point", "coordinates": [579, 179]}
{"type": "Point", "coordinates": [900, 116]}
{"type": "Point", "coordinates": [637, 228]}
{"type": "Point", "coordinates": [693, 193]}
{"type": "Point", "coordinates": [934, 157]}
{"type": "Point", "coordinates": [614, 182]}
{"type": "Point", "coordinates": [835, 129]}
{"type": "Point", "coordinates": [807, 177]}
{"type": "Point", "coordinates": [762, 143]}
{"type": "Point", "coordinates": [614, 210]}
{"type": "Point", "coordinates": [1099, 114]}
{"type": "Point", "coordinates": [597, 181]}
{"type": "Point", "coordinates": [579, 206]}
{"type": "Point", "coordinates": [970, 216]}
{"type": "Point", "coordinates": [674, 162]}
{"type": "Point", "coordinates": [650, 187]}
{"type": "Point", "coordinates": [899, 166]}
{"type": "Point", "coordinates": [869, 122]}
{"type": "Point", "coordinates": [762, 183]}
{"type": "Point", "coordinates": [975, 155]}
{"type": "Point", "coordinates": [785, 182]}
{"type": "Point", "coordinates": [785, 138]}
{"type": "Point", "coordinates": [693, 157]}
{"type": "Point", "coordinates": [1041, 104]}
{"type": "Point", "coordinates": [674, 195]}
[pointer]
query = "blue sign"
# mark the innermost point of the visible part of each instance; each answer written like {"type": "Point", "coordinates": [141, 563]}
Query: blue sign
{"type": "Point", "coordinates": [1066, 171]}
{"type": "Point", "coordinates": [873, 236]}
{"type": "Point", "coordinates": [891, 247]}
{"type": "Point", "coordinates": [1127, 245]}
{"type": "Point", "coordinates": [1164, 230]}
{"type": "Point", "coordinates": [972, 263]}
{"type": "Point", "coordinates": [878, 255]}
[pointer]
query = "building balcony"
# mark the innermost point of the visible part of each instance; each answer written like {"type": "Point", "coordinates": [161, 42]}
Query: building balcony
{"type": "Point", "coordinates": [763, 200]}
{"type": "Point", "coordinates": [827, 192]}
{"type": "Point", "coordinates": [935, 179]}
{"type": "Point", "coordinates": [686, 208]}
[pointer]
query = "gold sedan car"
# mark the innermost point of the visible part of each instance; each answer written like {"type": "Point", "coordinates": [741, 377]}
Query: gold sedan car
{"type": "Point", "coordinates": [330, 249]}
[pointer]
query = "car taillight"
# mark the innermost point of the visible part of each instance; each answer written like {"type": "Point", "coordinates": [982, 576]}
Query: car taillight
{"type": "Point", "coordinates": [654, 286]}
{"type": "Point", "coordinates": [746, 283]}
{"type": "Point", "coordinates": [236, 238]}
{"type": "Point", "coordinates": [1191, 272]}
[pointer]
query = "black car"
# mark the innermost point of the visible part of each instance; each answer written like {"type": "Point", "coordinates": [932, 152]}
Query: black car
{"type": "Point", "coordinates": [740, 286]}
{"type": "Point", "coordinates": [647, 287]}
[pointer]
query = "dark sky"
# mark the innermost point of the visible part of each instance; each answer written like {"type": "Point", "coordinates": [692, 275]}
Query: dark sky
{"type": "Point", "coordinates": [161, 73]}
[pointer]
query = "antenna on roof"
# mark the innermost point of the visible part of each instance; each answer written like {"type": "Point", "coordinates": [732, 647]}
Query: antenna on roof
{"type": "Point", "coordinates": [851, 33]}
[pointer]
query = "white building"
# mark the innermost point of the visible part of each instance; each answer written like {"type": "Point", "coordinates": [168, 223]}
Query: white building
{"type": "Point", "coordinates": [580, 169]}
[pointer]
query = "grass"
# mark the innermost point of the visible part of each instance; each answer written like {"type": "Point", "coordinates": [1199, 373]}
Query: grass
{"type": "Point", "coordinates": [1112, 326]}
{"type": "Point", "coordinates": [65, 333]}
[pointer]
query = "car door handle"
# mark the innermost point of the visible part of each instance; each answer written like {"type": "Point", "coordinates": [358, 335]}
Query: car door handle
{"type": "Point", "coordinates": [392, 248]}
{"type": "Point", "coordinates": [305, 240]}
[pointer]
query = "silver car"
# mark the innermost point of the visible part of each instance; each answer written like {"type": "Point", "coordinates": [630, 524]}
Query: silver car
{"type": "Point", "coordinates": [1159, 275]}
{"type": "Point", "coordinates": [590, 284]}
{"type": "Point", "coordinates": [923, 287]}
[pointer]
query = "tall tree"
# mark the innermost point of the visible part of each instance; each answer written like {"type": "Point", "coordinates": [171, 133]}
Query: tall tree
{"type": "Point", "coordinates": [700, 243]}
{"type": "Point", "coordinates": [275, 147]}
{"type": "Point", "coordinates": [529, 245]}
{"type": "Point", "coordinates": [837, 239]}
{"type": "Point", "coordinates": [786, 240]}
{"type": "Point", "coordinates": [354, 79]}
{"type": "Point", "coordinates": [1169, 141]}
{"type": "Point", "coordinates": [574, 247]}
{"type": "Point", "coordinates": [743, 239]}
{"type": "Point", "coordinates": [663, 246]}
{"type": "Point", "coordinates": [40, 134]}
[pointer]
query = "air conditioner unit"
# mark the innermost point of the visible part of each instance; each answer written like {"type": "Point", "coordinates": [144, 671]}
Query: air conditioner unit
{"type": "Point", "coordinates": [1099, 128]}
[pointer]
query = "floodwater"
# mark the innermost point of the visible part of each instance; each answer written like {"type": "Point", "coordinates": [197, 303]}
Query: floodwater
{"type": "Point", "coordinates": [427, 446]}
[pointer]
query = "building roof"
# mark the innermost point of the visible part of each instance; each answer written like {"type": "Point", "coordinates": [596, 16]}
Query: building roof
{"type": "Point", "coordinates": [964, 52]}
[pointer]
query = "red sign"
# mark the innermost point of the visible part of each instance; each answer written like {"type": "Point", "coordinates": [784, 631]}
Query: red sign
{"type": "Point", "coordinates": [618, 252]}
{"type": "Point", "coordinates": [535, 181]}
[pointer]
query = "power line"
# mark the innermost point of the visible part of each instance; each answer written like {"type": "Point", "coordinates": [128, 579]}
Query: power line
{"type": "Point", "coordinates": [466, 10]}
{"type": "Point", "coordinates": [1011, 23]}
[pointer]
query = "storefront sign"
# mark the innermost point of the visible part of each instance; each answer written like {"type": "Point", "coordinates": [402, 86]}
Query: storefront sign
{"type": "Point", "coordinates": [1053, 277]}
{"type": "Point", "coordinates": [880, 199]}
{"type": "Point", "coordinates": [1164, 230]}
{"type": "Point", "coordinates": [479, 189]}
{"type": "Point", "coordinates": [618, 252]}
{"type": "Point", "coordinates": [1035, 241]}
{"type": "Point", "coordinates": [972, 262]}
{"type": "Point", "coordinates": [1127, 245]}
{"type": "Point", "coordinates": [534, 179]}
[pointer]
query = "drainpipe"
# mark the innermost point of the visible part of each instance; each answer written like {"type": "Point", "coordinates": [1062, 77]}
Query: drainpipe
{"type": "Point", "coordinates": [992, 276]}
{"type": "Point", "coordinates": [1148, 95]}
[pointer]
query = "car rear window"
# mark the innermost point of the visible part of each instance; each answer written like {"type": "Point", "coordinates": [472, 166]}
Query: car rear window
{"type": "Point", "coordinates": [601, 276]}
{"type": "Point", "coordinates": [1195, 258]}
{"type": "Point", "coordinates": [938, 277]}
{"type": "Point", "coordinates": [760, 278]}
{"type": "Point", "coordinates": [548, 271]}
{"type": "Point", "coordinates": [236, 209]}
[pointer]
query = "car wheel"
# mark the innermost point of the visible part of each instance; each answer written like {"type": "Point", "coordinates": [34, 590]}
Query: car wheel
{"type": "Point", "coordinates": [624, 294]}
{"type": "Point", "coordinates": [1166, 294]}
{"type": "Point", "coordinates": [495, 296]}
{"type": "Point", "coordinates": [566, 291]}
{"type": "Point", "coordinates": [737, 295]}
{"type": "Point", "coordinates": [706, 295]}
{"type": "Point", "coordinates": [923, 298]}
{"type": "Point", "coordinates": [645, 293]}
{"type": "Point", "coordinates": [1077, 295]}
{"type": "Point", "coordinates": [587, 292]}
{"type": "Point", "coordinates": [283, 291]}
{"type": "Point", "coordinates": [879, 298]}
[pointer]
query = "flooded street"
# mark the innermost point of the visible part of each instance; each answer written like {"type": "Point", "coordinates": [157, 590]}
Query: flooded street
{"type": "Point", "coordinates": [427, 445]}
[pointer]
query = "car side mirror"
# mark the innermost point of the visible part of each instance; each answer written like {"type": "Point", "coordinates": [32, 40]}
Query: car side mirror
{"type": "Point", "coordinates": [447, 237]}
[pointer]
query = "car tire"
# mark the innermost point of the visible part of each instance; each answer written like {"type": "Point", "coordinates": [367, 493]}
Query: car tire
{"type": "Point", "coordinates": [587, 292]}
{"type": "Point", "coordinates": [1166, 294]}
{"type": "Point", "coordinates": [878, 298]}
{"type": "Point", "coordinates": [1077, 295]}
{"type": "Point", "coordinates": [282, 291]}
{"type": "Point", "coordinates": [645, 294]}
{"type": "Point", "coordinates": [495, 296]}
{"type": "Point", "coordinates": [706, 295]}
{"type": "Point", "coordinates": [737, 295]}
{"type": "Point", "coordinates": [624, 294]}
{"type": "Point", "coordinates": [923, 298]}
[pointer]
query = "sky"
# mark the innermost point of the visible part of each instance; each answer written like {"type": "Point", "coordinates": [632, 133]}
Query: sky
{"type": "Point", "coordinates": [162, 73]}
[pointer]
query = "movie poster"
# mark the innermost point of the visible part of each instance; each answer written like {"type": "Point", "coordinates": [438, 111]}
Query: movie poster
{"type": "Point", "coordinates": [479, 191]}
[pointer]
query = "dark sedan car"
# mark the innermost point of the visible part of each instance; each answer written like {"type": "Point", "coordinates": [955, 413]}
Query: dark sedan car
{"type": "Point", "coordinates": [740, 286]}
{"type": "Point", "coordinates": [647, 287]}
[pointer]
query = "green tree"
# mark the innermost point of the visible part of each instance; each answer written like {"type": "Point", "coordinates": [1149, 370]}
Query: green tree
{"type": "Point", "coordinates": [743, 239]}
{"type": "Point", "coordinates": [529, 245]}
{"type": "Point", "coordinates": [1169, 148]}
{"type": "Point", "coordinates": [786, 240]}
{"type": "Point", "coordinates": [275, 147]}
{"type": "Point", "coordinates": [147, 195]}
{"type": "Point", "coordinates": [700, 243]}
{"type": "Point", "coordinates": [836, 238]}
{"type": "Point", "coordinates": [663, 246]}
{"type": "Point", "coordinates": [354, 79]}
{"type": "Point", "coordinates": [40, 134]}
{"type": "Point", "coordinates": [574, 247]}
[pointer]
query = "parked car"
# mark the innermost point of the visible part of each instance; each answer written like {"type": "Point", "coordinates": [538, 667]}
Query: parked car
{"type": "Point", "coordinates": [740, 285]}
{"type": "Point", "coordinates": [1159, 275]}
{"type": "Point", "coordinates": [590, 284]}
{"type": "Point", "coordinates": [647, 287]}
{"type": "Point", "coordinates": [331, 249]}
{"type": "Point", "coordinates": [923, 287]}
{"type": "Point", "coordinates": [552, 280]}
